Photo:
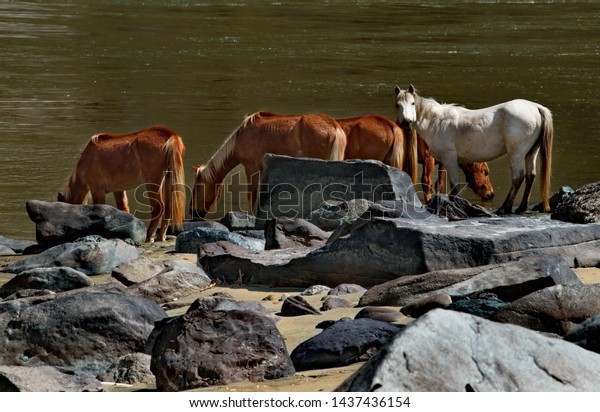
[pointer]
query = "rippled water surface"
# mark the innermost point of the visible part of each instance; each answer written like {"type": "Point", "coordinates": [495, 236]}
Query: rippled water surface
{"type": "Point", "coordinates": [69, 70]}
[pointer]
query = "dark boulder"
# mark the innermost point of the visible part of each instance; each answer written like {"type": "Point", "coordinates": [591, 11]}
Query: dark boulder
{"type": "Point", "coordinates": [211, 346]}
{"type": "Point", "coordinates": [190, 241]}
{"type": "Point", "coordinates": [343, 343]}
{"type": "Point", "coordinates": [582, 206]}
{"type": "Point", "coordinates": [285, 233]}
{"type": "Point", "coordinates": [56, 279]}
{"type": "Point", "coordinates": [58, 222]}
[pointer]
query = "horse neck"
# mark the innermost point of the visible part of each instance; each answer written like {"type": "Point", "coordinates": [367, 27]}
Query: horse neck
{"type": "Point", "coordinates": [75, 190]}
{"type": "Point", "coordinates": [222, 162]}
{"type": "Point", "coordinates": [425, 115]}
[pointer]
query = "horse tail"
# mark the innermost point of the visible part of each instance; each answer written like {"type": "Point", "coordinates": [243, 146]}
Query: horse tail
{"type": "Point", "coordinates": [411, 155]}
{"type": "Point", "coordinates": [545, 140]}
{"type": "Point", "coordinates": [396, 156]}
{"type": "Point", "coordinates": [174, 182]}
{"type": "Point", "coordinates": [339, 144]}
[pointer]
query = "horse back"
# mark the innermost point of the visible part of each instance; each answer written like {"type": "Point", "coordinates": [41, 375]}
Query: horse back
{"type": "Point", "coordinates": [368, 137]}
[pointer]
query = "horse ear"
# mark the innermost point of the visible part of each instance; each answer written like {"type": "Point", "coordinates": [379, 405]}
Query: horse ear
{"type": "Point", "coordinates": [411, 89]}
{"type": "Point", "coordinates": [397, 90]}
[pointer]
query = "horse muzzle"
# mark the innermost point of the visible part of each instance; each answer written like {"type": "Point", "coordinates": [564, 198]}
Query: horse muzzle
{"type": "Point", "coordinates": [406, 125]}
{"type": "Point", "coordinates": [487, 196]}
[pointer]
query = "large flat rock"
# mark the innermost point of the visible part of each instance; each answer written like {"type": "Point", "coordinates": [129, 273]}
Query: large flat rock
{"type": "Point", "coordinates": [383, 249]}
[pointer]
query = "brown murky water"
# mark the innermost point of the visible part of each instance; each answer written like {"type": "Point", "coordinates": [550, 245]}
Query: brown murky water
{"type": "Point", "coordinates": [71, 69]}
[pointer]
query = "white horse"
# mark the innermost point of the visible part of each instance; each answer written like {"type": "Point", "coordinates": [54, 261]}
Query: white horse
{"type": "Point", "coordinates": [519, 128]}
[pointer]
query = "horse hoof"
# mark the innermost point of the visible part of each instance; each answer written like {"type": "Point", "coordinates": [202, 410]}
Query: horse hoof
{"type": "Point", "coordinates": [503, 212]}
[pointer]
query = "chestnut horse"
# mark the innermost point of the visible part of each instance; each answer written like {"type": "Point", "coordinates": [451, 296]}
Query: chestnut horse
{"type": "Point", "coordinates": [477, 174]}
{"type": "Point", "coordinates": [118, 162]}
{"type": "Point", "coordinates": [304, 135]}
{"type": "Point", "coordinates": [518, 128]}
{"type": "Point", "coordinates": [378, 138]}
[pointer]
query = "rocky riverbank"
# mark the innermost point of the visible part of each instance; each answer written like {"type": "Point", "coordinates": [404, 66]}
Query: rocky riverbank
{"type": "Point", "coordinates": [361, 294]}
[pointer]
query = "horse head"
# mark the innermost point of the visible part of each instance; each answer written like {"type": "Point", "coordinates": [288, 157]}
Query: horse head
{"type": "Point", "coordinates": [478, 178]}
{"type": "Point", "coordinates": [406, 107]}
{"type": "Point", "coordinates": [204, 194]}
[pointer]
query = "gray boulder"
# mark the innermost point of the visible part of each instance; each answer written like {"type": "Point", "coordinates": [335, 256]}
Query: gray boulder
{"type": "Point", "coordinates": [211, 346]}
{"type": "Point", "coordinates": [384, 249]}
{"type": "Point", "coordinates": [586, 334]}
{"type": "Point", "coordinates": [456, 208]}
{"type": "Point", "coordinates": [130, 369]}
{"type": "Point", "coordinates": [343, 343]}
{"type": "Point", "coordinates": [509, 281]}
{"type": "Point", "coordinates": [237, 220]}
{"type": "Point", "coordinates": [57, 279]}
{"type": "Point", "coordinates": [582, 206]}
{"type": "Point", "coordinates": [331, 214]}
{"type": "Point", "coordinates": [91, 255]}
{"type": "Point", "coordinates": [190, 241]}
{"type": "Point", "coordinates": [136, 270]}
{"type": "Point", "coordinates": [295, 187]}
{"type": "Point", "coordinates": [285, 233]}
{"type": "Point", "coordinates": [557, 309]}
{"type": "Point", "coordinates": [16, 245]}
{"type": "Point", "coordinates": [447, 351]}
{"type": "Point", "coordinates": [46, 379]}
{"type": "Point", "coordinates": [178, 279]}
{"type": "Point", "coordinates": [87, 329]}
{"type": "Point", "coordinates": [58, 222]}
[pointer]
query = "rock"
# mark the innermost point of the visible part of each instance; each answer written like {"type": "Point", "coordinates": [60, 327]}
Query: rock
{"type": "Point", "coordinates": [16, 245]}
{"type": "Point", "coordinates": [130, 369]}
{"type": "Point", "coordinates": [479, 304]}
{"type": "Point", "coordinates": [46, 379]}
{"type": "Point", "coordinates": [295, 187]}
{"type": "Point", "coordinates": [331, 214]}
{"type": "Point", "coordinates": [586, 334]}
{"type": "Point", "coordinates": [315, 290]}
{"type": "Point", "coordinates": [91, 255]}
{"type": "Point", "coordinates": [208, 224]}
{"type": "Point", "coordinates": [346, 289]}
{"type": "Point", "coordinates": [343, 343]}
{"type": "Point", "coordinates": [238, 220]}
{"type": "Point", "coordinates": [87, 329]}
{"type": "Point", "coordinates": [424, 305]}
{"type": "Point", "coordinates": [209, 346]}
{"type": "Point", "coordinates": [178, 279]}
{"type": "Point", "coordinates": [57, 279]}
{"type": "Point", "coordinates": [297, 306]}
{"type": "Point", "coordinates": [285, 233]}
{"type": "Point", "coordinates": [58, 222]}
{"type": "Point", "coordinates": [582, 206]}
{"type": "Point", "coordinates": [426, 246]}
{"type": "Point", "coordinates": [390, 209]}
{"type": "Point", "coordinates": [454, 208]}
{"type": "Point", "coordinates": [380, 314]}
{"type": "Point", "coordinates": [557, 309]}
{"type": "Point", "coordinates": [563, 193]}
{"type": "Point", "coordinates": [334, 302]}
{"type": "Point", "coordinates": [447, 351]}
{"type": "Point", "coordinates": [509, 281]}
{"type": "Point", "coordinates": [190, 241]}
{"type": "Point", "coordinates": [136, 270]}
{"type": "Point", "coordinates": [6, 251]}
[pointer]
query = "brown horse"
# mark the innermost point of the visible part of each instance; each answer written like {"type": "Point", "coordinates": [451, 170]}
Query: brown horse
{"type": "Point", "coordinates": [118, 162]}
{"type": "Point", "coordinates": [304, 135]}
{"type": "Point", "coordinates": [477, 174]}
{"type": "Point", "coordinates": [375, 137]}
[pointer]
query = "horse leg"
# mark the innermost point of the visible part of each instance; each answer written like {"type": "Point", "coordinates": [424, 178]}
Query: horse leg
{"type": "Point", "coordinates": [450, 163]}
{"type": "Point", "coordinates": [156, 212]}
{"type": "Point", "coordinates": [253, 183]}
{"type": "Point", "coordinates": [121, 200]}
{"type": "Point", "coordinates": [428, 165]}
{"type": "Point", "coordinates": [518, 174]}
{"type": "Point", "coordinates": [529, 179]}
{"type": "Point", "coordinates": [441, 178]}
{"type": "Point", "coordinates": [98, 197]}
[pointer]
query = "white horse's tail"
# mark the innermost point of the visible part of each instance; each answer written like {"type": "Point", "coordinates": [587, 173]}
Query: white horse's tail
{"type": "Point", "coordinates": [339, 145]}
{"type": "Point", "coordinates": [545, 140]}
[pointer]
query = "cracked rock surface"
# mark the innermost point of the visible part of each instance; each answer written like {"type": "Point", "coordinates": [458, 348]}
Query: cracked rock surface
{"type": "Point", "coordinates": [449, 351]}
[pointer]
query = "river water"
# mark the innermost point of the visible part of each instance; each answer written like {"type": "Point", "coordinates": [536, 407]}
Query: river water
{"type": "Point", "coordinates": [71, 69]}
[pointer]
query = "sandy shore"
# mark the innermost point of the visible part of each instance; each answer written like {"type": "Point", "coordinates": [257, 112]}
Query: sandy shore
{"type": "Point", "coordinates": [295, 329]}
